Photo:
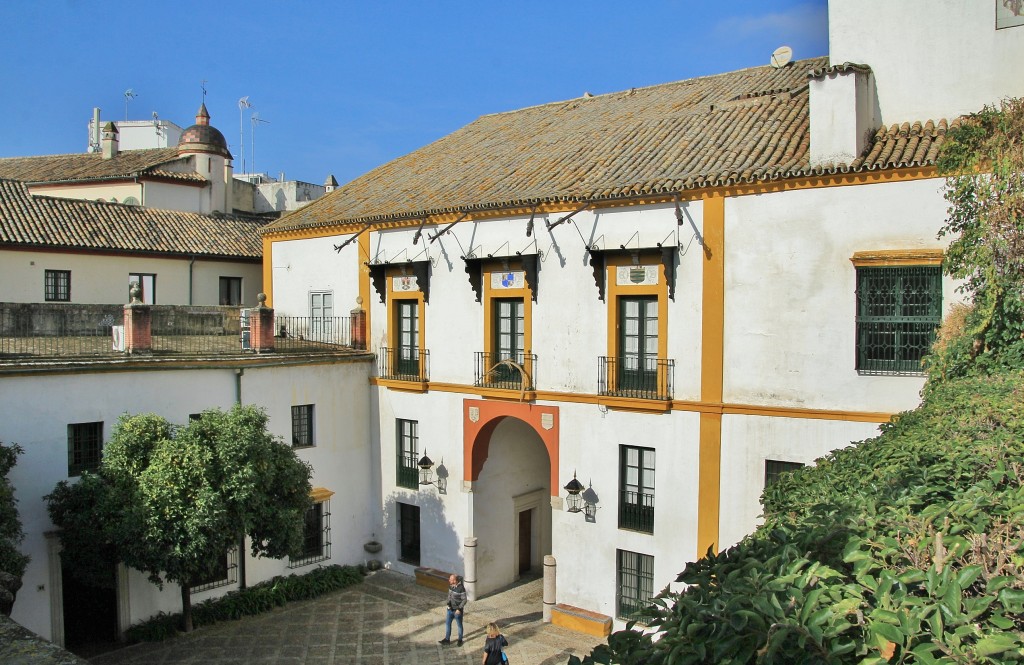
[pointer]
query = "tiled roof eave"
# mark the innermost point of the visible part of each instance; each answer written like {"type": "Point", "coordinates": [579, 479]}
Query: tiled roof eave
{"type": "Point", "coordinates": [92, 249]}
{"type": "Point", "coordinates": [621, 194]}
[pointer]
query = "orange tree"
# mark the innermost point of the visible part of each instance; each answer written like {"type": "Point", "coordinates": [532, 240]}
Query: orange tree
{"type": "Point", "coordinates": [171, 501]}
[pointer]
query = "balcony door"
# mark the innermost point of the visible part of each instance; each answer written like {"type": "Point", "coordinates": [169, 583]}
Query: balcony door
{"type": "Point", "coordinates": [509, 336]}
{"type": "Point", "coordinates": [408, 338]}
{"type": "Point", "coordinates": [638, 344]}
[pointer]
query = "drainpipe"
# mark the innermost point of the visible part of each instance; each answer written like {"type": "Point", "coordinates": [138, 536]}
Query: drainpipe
{"type": "Point", "coordinates": [191, 262]}
{"type": "Point", "coordinates": [241, 540]}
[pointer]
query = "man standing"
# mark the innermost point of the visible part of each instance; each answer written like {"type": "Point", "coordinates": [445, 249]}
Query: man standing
{"type": "Point", "coordinates": [457, 598]}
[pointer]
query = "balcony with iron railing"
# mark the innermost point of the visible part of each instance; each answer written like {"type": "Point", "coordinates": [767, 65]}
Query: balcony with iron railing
{"type": "Point", "coordinates": [636, 511]}
{"type": "Point", "coordinates": [632, 379]}
{"type": "Point", "coordinates": [503, 372]}
{"type": "Point", "coordinates": [403, 364]}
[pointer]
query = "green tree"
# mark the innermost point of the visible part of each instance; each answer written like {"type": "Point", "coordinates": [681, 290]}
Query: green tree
{"type": "Point", "coordinates": [171, 501]}
{"type": "Point", "coordinates": [12, 561]}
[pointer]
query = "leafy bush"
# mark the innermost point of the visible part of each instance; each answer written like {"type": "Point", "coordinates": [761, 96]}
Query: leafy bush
{"type": "Point", "coordinates": [11, 559]}
{"type": "Point", "coordinates": [257, 599]}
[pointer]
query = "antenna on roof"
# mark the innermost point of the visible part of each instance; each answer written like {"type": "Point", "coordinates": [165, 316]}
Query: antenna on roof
{"type": "Point", "coordinates": [243, 104]}
{"type": "Point", "coordinates": [255, 119]}
{"type": "Point", "coordinates": [781, 57]}
{"type": "Point", "coordinates": [202, 84]}
{"type": "Point", "coordinates": [129, 95]}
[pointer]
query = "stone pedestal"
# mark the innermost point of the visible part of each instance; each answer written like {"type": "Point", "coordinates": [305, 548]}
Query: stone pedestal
{"type": "Point", "coordinates": [549, 586]}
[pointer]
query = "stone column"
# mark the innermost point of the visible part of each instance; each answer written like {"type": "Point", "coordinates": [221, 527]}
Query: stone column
{"type": "Point", "coordinates": [138, 324]}
{"type": "Point", "coordinates": [469, 579]}
{"type": "Point", "coordinates": [261, 326]}
{"type": "Point", "coordinates": [358, 323]}
{"type": "Point", "coordinates": [549, 586]}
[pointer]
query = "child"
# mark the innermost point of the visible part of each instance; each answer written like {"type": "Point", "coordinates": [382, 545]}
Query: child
{"type": "Point", "coordinates": [492, 647]}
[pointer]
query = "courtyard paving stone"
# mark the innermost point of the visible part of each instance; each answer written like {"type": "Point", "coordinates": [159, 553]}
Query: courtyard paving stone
{"type": "Point", "coordinates": [386, 620]}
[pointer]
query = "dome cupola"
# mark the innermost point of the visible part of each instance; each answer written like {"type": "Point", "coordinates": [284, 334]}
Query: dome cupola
{"type": "Point", "coordinates": [202, 137]}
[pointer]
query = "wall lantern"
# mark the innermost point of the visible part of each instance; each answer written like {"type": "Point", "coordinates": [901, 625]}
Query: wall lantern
{"type": "Point", "coordinates": [579, 501]}
{"type": "Point", "coordinates": [426, 475]}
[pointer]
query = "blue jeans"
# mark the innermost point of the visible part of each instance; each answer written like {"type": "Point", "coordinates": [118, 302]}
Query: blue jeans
{"type": "Point", "coordinates": [448, 623]}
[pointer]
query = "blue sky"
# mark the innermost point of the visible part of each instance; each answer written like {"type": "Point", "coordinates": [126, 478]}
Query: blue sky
{"type": "Point", "coordinates": [346, 86]}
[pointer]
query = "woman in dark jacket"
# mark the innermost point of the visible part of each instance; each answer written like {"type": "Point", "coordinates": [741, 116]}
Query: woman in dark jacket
{"type": "Point", "coordinates": [493, 646]}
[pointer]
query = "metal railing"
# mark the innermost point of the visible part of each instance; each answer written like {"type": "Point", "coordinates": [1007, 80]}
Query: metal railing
{"type": "Point", "coordinates": [403, 364]}
{"type": "Point", "coordinates": [636, 511]}
{"type": "Point", "coordinates": [47, 330]}
{"type": "Point", "coordinates": [651, 378]}
{"type": "Point", "coordinates": [493, 370]}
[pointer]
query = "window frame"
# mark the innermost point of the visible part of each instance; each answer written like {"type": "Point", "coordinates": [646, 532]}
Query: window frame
{"type": "Point", "coordinates": [408, 358]}
{"type": "Point", "coordinates": [316, 534]}
{"type": "Point", "coordinates": [144, 279]}
{"type": "Point", "coordinates": [407, 456]}
{"type": "Point", "coordinates": [617, 296]}
{"type": "Point", "coordinates": [871, 264]}
{"type": "Point", "coordinates": [637, 515]}
{"type": "Point", "coordinates": [233, 284]}
{"type": "Point", "coordinates": [56, 285]}
{"type": "Point", "coordinates": [229, 576]}
{"type": "Point", "coordinates": [773, 470]}
{"type": "Point", "coordinates": [79, 438]}
{"type": "Point", "coordinates": [638, 579]}
{"type": "Point", "coordinates": [522, 297]}
{"type": "Point", "coordinates": [303, 425]}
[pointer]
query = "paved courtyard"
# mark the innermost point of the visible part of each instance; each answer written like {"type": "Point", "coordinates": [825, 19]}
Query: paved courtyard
{"type": "Point", "coordinates": [386, 620]}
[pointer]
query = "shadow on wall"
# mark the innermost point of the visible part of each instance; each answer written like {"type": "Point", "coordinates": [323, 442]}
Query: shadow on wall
{"type": "Point", "coordinates": [417, 531]}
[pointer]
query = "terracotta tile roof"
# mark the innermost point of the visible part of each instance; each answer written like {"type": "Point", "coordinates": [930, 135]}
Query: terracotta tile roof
{"type": "Point", "coordinates": [92, 166]}
{"type": "Point", "coordinates": [43, 222]}
{"type": "Point", "coordinates": [741, 127]}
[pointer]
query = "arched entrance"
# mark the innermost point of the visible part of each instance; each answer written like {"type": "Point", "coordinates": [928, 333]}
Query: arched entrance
{"type": "Point", "coordinates": [511, 465]}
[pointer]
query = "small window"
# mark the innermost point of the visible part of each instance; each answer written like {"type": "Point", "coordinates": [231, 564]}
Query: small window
{"type": "Point", "coordinates": [85, 447]}
{"type": "Point", "coordinates": [407, 434]}
{"type": "Point", "coordinates": [898, 310]}
{"type": "Point", "coordinates": [230, 291]}
{"type": "Point", "coordinates": [316, 535]}
{"type": "Point", "coordinates": [57, 286]}
{"type": "Point", "coordinates": [773, 469]}
{"type": "Point", "coordinates": [634, 584]}
{"type": "Point", "coordinates": [636, 488]}
{"type": "Point", "coordinates": [222, 575]}
{"type": "Point", "coordinates": [146, 282]}
{"type": "Point", "coordinates": [302, 426]}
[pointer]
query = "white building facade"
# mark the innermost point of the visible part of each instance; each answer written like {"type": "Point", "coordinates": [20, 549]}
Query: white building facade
{"type": "Point", "coordinates": [739, 286]}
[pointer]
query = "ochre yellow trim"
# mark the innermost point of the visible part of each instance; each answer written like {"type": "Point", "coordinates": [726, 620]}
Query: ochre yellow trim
{"type": "Point", "coordinates": [320, 494]}
{"type": "Point", "coordinates": [709, 492]}
{"type": "Point", "coordinates": [712, 363]}
{"type": "Point", "coordinates": [403, 386]}
{"type": "Point", "coordinates": [394, 323]}
{"type": "Point", "coordinates": [364, 286]}
{"type": "Point", "coordinates": [633, 404]}
{"type": "Point", "coordinates": [898, 257]}
{"type": "Point", "coordinates": [268, 271]}
{"type": "Point", "coordinates": [690, 406]}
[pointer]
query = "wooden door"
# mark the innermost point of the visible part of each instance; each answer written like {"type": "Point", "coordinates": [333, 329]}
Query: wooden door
{"type": "Point", "coordinates": [525, 540]}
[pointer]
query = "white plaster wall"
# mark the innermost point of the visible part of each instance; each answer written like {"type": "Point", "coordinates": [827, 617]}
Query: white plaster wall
{"type": "Point", "coordinates": [569, 321]}
{"type": "Point", "coordinates": [790, 302]}
{"type": "Point", "coordinates": [105, 191]}
{"type": "Point", "coordinates": [168, 196]}
{"type": "Point", "coordinates": [747, 441]}
{"type": "Point", "coordinates": [27, 417]}
{"type": "Point", "coordinates": [103, 279]}
{"type": "Point", "coordinates": [932, 59]}
{"type": "Point", "coordinates": [301, 266]}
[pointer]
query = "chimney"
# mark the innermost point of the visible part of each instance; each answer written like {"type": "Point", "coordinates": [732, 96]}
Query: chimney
{"type": "Point", "coordinates": [110, 140]}
{"type": "Point", "coordinates": [844, 113]}
{"type": "Point", "coordinates": [94, 133]}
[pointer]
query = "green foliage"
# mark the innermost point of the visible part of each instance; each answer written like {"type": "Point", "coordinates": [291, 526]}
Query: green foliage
{"type": "Point", "coordinates": [170, 501]}
{"type": "Point", "coordinates": [255, 600]}
{"type": "Point", "coordinates": [983, 159]}
{"type": "Point", "coordinates": [906, 548]}
{"type": "Point", "coordinates": [11, 559]}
